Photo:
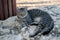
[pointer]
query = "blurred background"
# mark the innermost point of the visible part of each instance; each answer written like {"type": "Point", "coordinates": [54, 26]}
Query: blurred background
{"type": "Point", "coordinates": [36, 3]}
{"type": "Point", "coordinates": [8, 7]}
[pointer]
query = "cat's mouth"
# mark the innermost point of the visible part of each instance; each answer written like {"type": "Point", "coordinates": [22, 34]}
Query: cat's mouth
{"type": "Point", "coordinates": [22, 15]}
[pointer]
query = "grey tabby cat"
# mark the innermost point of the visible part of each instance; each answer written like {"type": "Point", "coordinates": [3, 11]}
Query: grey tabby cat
{"type": "Point", "coordinates": [35, 17]}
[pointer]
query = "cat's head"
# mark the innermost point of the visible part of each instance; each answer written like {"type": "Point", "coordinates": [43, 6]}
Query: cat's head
{"type": "Point", "coordinates": [22, 12]}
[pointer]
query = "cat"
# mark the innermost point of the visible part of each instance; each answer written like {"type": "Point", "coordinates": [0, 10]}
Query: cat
{"type": "Point", "coordinates": [37, 18]}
